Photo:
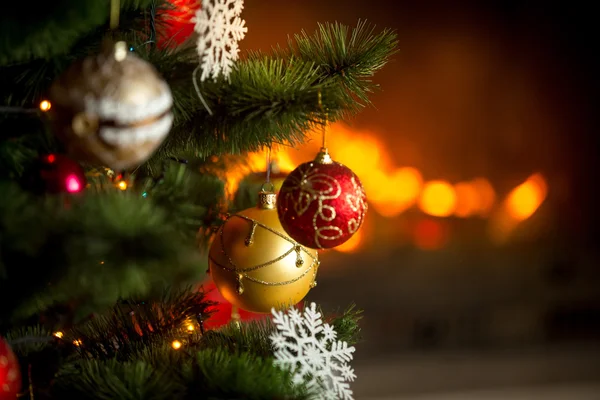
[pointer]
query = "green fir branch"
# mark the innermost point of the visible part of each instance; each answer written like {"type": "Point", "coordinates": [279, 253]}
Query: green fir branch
{"type": "Point", "coordinates": [107, 380]}
{"type": "Point", "coordinates": [100, 247]}
{"type": "Point", "coordinates": [210, 374]}
{"type": "Point", "coordinates": [219, 374]}
{"type": "Point", "coordinates": [251, 337]}
{"type": "Point", "coordinates": [120, 353]}
{"type": "Point", "coordinates": [190, 200]}
{"type": "Point", "coordinates": [346, 324]}
{"type": "Point", "coordinates": [268, 99]}
{"type": "Point", "coordinates": [349, 57]}
{"type": "Point", "coordinates": [274, 98]}
{"type": "Point", "coordinates": [135, 325]}
{"type": "Point", "coordinates": [53, 28]}
{"type": "Point", "coordinates": [25, 341]}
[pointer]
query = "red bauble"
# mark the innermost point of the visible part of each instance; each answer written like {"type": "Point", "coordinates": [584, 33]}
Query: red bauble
{"type": "Point", "coordinates": [221, 312]}
{"type": "Point", "coordinates": [322, 203]}
{"type": "Point", "coordinates": [60, 174]}
{"type": "Point", "coordinates": [177, 22]}
{"type": "Point", "coordinates": [10, 373]}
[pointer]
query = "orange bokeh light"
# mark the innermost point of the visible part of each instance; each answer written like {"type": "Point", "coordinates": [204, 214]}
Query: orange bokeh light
{"type": "Point", "coordinates": [524, 200]}
{"type": "Point", "coordinates": [397, 192]}
{"type": "Point", "coordinates": [352, 244]}
{"type": "Point", "coordinates": [486, 195]}
{"type": "Point", "coordinates": [467, 200]}
{"type": "Point", "coordinates": [430, 235]}
{"type": "Point", "coordinates": [438, 199]}
{"type": "Point", "coordinates": [390, 189]}
{"type": "Point", "coordinates": [45, 105]}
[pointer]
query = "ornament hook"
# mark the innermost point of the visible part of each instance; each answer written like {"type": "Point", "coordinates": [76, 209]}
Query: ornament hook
{"type": "Point", "coordinates": [267, 196]}
{"type": "Point", "coordinates": [267, 187]}
{"type": "Point", "coordinates": [323, 157]}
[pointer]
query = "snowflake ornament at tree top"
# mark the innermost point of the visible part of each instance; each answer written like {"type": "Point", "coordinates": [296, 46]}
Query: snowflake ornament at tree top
{"type": "Point", "coordinates": [309, 348]}
{"type": "Point", "coordinates": [219, 28]}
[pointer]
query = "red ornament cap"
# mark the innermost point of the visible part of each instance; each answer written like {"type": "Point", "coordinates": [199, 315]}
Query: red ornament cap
{"type": "Point", "coordinates": [177, 22]}
{"type": "Point", "coordinates": [322, 203]}
{"type": "Point", "coordinates": [10, 373]}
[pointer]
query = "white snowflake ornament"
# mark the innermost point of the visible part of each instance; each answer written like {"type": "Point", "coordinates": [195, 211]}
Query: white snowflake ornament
{"type": "Point", "coordinates": [309, 348]}
{"type": "Point", "coordinates": [219, 29]}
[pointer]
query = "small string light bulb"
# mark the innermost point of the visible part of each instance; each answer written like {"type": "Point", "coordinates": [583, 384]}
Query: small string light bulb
{"type": "Point", "coordinates": [45, 105]}
{"type": "Point", "coordinates": [122, 185]}
{"type": "Point", "coordinates": [77, 342]}
{"type": "Point", "coordinates": [176, 344]}
{"type": "Point", "coordinates": [59, 334]}
{"type": "Point", "coordinates": [190, 327]}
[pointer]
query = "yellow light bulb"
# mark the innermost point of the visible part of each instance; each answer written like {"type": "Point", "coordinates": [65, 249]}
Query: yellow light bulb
{"type": "Point", "coordinates": [77, 342]}
{"type": "Point", "coordinates": [45, 105]}
{"type": "Point", "coordinates": [122, 185]}
{"type": "Point", "coordinates": [176, 344]}
{"type": "Point", "coordinates": [190, 327]}
{"type": "Point", "coordinates": [58, 334]}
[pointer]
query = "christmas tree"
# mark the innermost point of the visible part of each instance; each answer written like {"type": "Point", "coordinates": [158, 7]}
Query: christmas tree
{"type": "Point", "coordinates": [118, 123]}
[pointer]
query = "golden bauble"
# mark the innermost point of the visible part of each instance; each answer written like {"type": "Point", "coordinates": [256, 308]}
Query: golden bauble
{"type": "Point", "coordinates": [255, 265]}
{"type": "Point", "coordinates": [111, 109]}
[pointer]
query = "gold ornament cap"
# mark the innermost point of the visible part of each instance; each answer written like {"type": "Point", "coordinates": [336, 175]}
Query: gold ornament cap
{"type": "Point", "coordinates": [120, 51]}
{"type": "Point", "coordinates": [323, 157]}
{"type": "Point", "coordinates": [267, 199]}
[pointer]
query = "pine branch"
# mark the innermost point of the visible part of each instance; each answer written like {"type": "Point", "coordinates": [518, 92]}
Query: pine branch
{"type": "Point", "coordinates": [190, 200]}
{"type": "Point", "coordinates": [269, 99]}
{"type": "Point", "coordinates": [349, 57]}
{"type": "Point", "coordinates": [100, 247]}
{"type": "Point", "coordinates": [274, 99]}
{"type": "Point", "coordinates": [53, 28]}
{"type": "Point", "coordinates": [121, 353]}
{"type": "Point", "coordinates": [346, 324]}
{"type": "Point", "coordinates": [107, 380]}
{"type": "Point", "coordinates": [29, 340]}
{"type": "Point", "coordinates": [223, 375]}
{"type": "Point", "coordinates": [253, 336]}
{"type": "Point", "coordinates": [170, 375]}
{"type": "Point", "coordinates": [134, 326]}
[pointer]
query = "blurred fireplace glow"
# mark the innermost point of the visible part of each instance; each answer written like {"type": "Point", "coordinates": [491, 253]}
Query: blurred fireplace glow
{"type": "Point", "coordinates": [353, 244]}
{"type": "Point", "coordinates": [438, 199]}
{"type": "Point", "coordinates": [526, 198]}
{"type": "Point", "coordinates": [430, 234]}
{"type": "Point", "coordinates": [520, 204]}
{"type": "Point", "coordinates": [393, 190]}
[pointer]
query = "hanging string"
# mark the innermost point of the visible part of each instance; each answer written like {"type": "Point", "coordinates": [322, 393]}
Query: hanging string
{"type": "Point", "coordinates": [325, 119]}
{"type": "Point", "coordinates": [115, 6]}
{"type": "Point", "coordinates": [198, 91]}
{"type": "Point", "coordinates": [268, 186]}
{"type": "Point", "coordinates": [30, 382]}
{"type": "Point", "coordinates": [152, 23]}
{"type": "Point", "coordinates": [269, 164]}
{"type": "Point", "coordinates": [29, 390]}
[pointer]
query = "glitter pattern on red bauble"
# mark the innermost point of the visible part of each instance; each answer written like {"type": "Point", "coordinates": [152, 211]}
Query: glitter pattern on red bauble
{"type": "Point", "coordinates": [10, 374]}
{"type": "Point", "coordinates": [322, 203]}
